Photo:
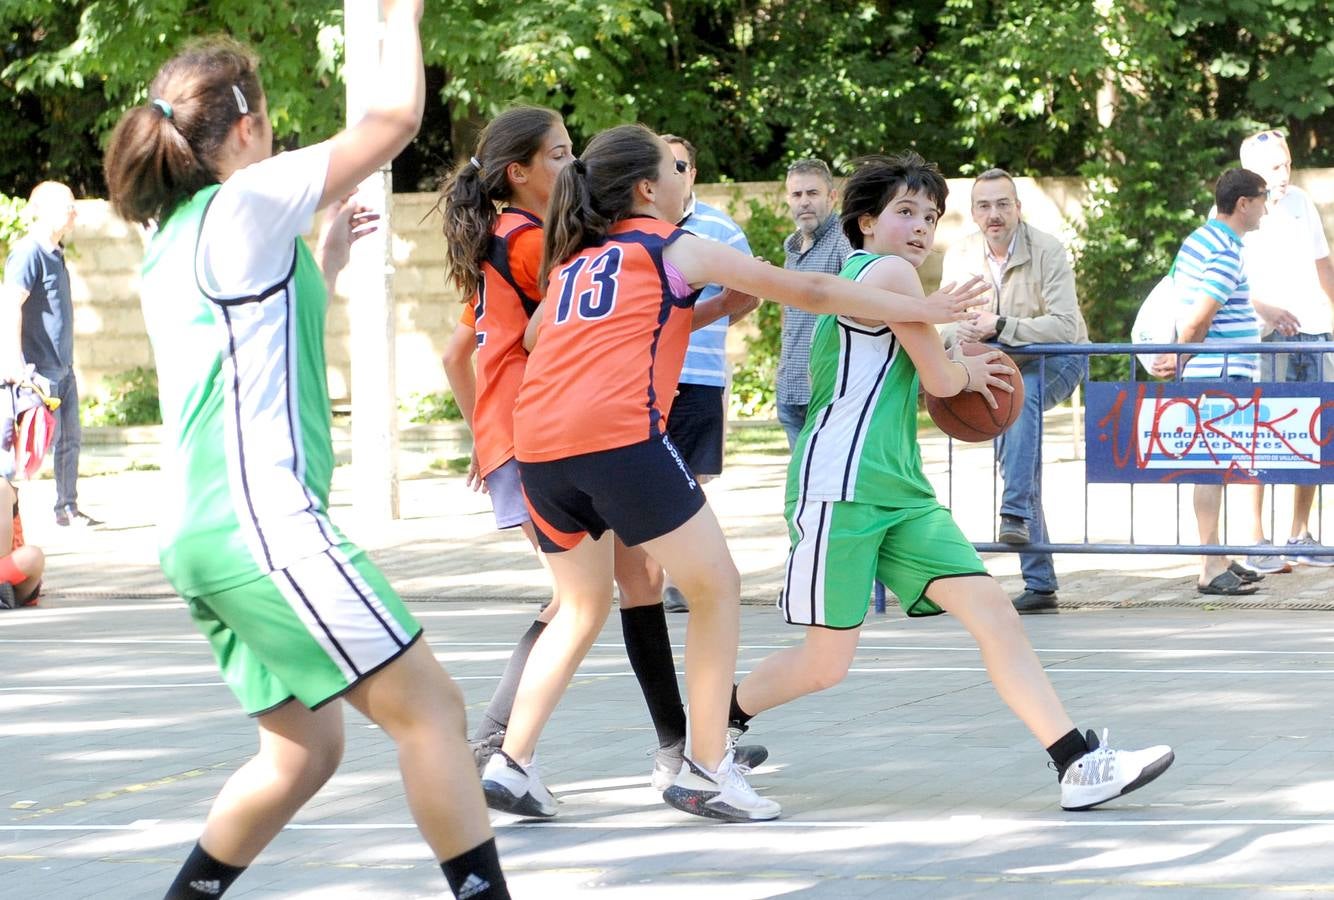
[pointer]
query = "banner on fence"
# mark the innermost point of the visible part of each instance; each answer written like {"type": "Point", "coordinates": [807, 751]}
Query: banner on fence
{"type": "Point", "coordinates": [1209, 432]}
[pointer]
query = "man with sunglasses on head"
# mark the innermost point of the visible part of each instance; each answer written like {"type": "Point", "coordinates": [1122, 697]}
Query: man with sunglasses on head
{"type": "Point", "coordinates": [1288, 264]}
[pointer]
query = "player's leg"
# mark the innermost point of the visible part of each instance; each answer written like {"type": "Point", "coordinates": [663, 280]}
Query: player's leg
{"type": "Point", "coordinates": [583, 576]}
{"type": "Point", "coordinates": [421, 709]}
{"type": "Point", "coordinates": [826, 584]}
{"type": "Point", "coordinates": [709, 783]}
{"type": "Point", "coordinates": [503, 486]}
{"type": "Point", "coordinates": [299, 749]}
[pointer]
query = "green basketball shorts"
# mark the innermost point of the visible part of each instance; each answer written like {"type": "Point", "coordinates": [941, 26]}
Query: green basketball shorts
{"type": "Point", "coordinates": [310, 631]}
{"type": "Point", "coordinates": [839, 548]}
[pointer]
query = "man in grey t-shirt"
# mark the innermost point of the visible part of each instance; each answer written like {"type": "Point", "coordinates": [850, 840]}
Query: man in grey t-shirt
{"type": "Point", "coordinates": [38, 329]}
{"type": "Point", "coordinates": [818, 245]}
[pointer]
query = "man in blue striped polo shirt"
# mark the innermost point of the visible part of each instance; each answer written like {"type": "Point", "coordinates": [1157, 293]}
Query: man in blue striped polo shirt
{"type": "Point", "coordinates": [698, 418]}
{"type": "Point", "coordinates": [1216, 308]}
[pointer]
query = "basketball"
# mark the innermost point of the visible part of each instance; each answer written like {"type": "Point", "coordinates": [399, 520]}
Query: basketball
{"type": "Point", "coordinates": [967, 417]}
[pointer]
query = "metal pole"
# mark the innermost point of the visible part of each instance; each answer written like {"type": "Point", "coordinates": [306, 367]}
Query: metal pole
{"type": "Point", "coordinates": [371, 300]}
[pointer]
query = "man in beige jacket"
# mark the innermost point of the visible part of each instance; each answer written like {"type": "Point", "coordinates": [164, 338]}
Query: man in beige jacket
{"type": "Point", "coordinates": [1032, 302]}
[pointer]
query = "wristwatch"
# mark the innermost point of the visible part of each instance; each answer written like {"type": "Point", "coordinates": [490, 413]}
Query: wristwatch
{"type": "Point", "coordinates": [1000, 325]}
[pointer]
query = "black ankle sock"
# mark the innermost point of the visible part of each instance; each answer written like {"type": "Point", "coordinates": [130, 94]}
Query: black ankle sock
{"type": "Point", "coordinates": [476, 874]}
{"type": "Point", "coordinates": [1070, 747]}
{"type": "Point", "coordinates": [497, 714]}
{"type": "Point", "coordinates": [649, 647]}
{"type": "Point", "coordinates": [737, 715]}
{"type": "Point", "coordinates": [202, 877]}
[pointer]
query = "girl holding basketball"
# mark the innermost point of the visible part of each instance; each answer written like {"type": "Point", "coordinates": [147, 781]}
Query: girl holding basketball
{"type": "Point", "coordinates": [860, 508]}
{"type": "Point", "coordinates": [235, 304]}
{"type": "Point", "coordinates": [493, 236]}
{"type": "Point", "coordinates": [589, 434]}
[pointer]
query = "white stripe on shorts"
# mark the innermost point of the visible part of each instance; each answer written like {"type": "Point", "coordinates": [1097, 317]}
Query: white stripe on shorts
{"type": "Point", "coordinates": [342, 612]}
{"type": "Point", "coordinates": [808, 564]}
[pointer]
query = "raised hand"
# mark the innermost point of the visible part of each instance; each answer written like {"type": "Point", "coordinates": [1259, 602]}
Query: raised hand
{"type": "Point", "coordinates": [345, 223]}
{"type": "Point", "coordinates": [955, 302]}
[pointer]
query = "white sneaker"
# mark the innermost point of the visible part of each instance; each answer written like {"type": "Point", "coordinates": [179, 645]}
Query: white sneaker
{"type": "Point", "coordinates": [724, 794]}
{"type": "Point", "coordinates": [667, 761]}
{"type": "Point", "coordinates": [1103, 774]}
{"type": "Point", "coordinates": [512, 788]}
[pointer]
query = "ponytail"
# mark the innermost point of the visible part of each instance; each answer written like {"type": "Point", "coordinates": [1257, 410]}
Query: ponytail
{"type": "Point", "coordinates": [471, 192]}
{"type": "Point", "coordinates": [598, 190]}
{"type": "Point", "coordinates": [163, 152]}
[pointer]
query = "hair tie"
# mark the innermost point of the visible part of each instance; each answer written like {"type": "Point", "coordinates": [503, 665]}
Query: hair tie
{"type": "Point", "coordinates": [241, 105]}
{"type": "Point", "coordinates": [163, 106]}
{"type": "Point", "coordinates": [472, 161]}
{"type": "Point", "coordinates": [580, 166]}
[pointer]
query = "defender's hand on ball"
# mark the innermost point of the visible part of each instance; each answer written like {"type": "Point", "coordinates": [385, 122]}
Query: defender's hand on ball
{"type": "Point", "coordinates": [955, 302]}
{"type": "Point", "coordinates": [987, 371]}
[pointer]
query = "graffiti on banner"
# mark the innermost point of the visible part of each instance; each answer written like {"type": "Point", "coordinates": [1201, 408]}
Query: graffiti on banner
{"type": "Point", "coordinates": [1209, 432]}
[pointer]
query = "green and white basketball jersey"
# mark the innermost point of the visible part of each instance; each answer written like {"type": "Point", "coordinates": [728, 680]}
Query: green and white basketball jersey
{"type": "Point", "coordinates": [248, 457]}
{"type": "Point", "coordinates": [860, 437]}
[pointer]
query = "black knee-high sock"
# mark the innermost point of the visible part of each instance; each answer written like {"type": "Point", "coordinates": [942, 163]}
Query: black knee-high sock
{"type": "Point", "coordinates": [476, 874]}
{"type": "Point", "coordinates": [1068, 748]}
{"type": "Point", "coordinates": [737, 715]}
{"type": "Point", "coordinates": [649, 647]}
{"type": "Point", "coordinates": [202, 877]}
{"type": "Point", "coordinates": [497, 714]}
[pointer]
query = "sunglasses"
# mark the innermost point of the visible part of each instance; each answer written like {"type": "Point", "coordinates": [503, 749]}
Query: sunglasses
{"type": "Point", "coordinates": [1273, 134]}
{"type": "Point", "coordinates": [682, 166]}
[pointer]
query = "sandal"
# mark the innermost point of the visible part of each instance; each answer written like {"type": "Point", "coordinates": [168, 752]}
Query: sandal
{"type": "Point", "coordinates": [1227, 585]}
{"type": "Point", "coordinates": [1245, 574]}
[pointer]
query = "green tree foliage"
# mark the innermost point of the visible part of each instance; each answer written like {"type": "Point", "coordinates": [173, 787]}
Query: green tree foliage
{"type": "Point", "coordinates": [1145, 99]}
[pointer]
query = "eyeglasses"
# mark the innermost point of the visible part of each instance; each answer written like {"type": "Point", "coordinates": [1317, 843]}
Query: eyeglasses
{"type": "Point", "coordinates": [1000, 206]}
{"type": "Point", "coordinates": [682, 166]}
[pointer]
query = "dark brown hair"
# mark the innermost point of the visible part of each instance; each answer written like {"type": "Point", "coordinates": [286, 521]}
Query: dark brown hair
{"type": "Point", "coordinates": [469, 193]}
{"type": "Point", "coordinates": [1235, 184]}
{"type": "Point", "coordinates": [877, 180]}
{"type": "Point", "coordinates": [598, 190]}
{"type": "Point", "coordinates": [164, 151]}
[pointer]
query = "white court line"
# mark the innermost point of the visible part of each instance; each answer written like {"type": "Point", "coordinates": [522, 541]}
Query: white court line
{"type": "Point", "coordinates": [858, 670]}
{"type": "Point", "coordinates": [863, 648]}
{"type": "Point", "coordinates": [963, 822]}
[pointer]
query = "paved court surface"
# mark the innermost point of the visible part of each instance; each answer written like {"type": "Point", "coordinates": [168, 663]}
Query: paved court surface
{"type": "Point", "coordinates": [909, 779]}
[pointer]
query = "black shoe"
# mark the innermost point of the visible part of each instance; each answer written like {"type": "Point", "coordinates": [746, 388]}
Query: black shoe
{"type": "Point", "coordinates": [1013, 530]}
{"type": "Point", "coordinates": [674, 601]}
{"type": "Point", "coordinates": [1031, 601]}
{"type": "Point", "coordinates": [72, 515]}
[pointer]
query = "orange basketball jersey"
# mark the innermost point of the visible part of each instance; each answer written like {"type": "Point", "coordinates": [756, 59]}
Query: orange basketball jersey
{"type": "Point", "coordinates": [605, 369]}
{"type": "Point", "coordinates": [506, 299]}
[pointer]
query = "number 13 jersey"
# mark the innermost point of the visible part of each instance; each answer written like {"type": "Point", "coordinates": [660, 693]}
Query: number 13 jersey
{"type": "Point", "coordinates": [613, 340]}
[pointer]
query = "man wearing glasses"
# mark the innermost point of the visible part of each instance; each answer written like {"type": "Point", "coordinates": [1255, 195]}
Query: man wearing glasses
{"type": "Point", "coordinates": [818, 245]}
{"type": "Point", "coordinates": [1032, 302]}
{"type": "Point", "coordinates": [1288, 264]}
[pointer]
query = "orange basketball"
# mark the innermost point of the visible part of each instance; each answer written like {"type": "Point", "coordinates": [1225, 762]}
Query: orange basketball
{"type": "Point", "coordinates": [967, 417]}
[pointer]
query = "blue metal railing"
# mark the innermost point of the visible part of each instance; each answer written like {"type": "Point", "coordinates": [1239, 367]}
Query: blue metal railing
{"type": "Point", "coordinates": [1130, 351]}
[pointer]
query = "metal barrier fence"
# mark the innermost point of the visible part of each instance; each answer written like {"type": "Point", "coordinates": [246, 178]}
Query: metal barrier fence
{"type": "Point", "coordinates": [1315, 399]}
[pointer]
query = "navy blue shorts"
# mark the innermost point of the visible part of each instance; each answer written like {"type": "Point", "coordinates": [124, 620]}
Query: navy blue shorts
{"type": "Point", "coordinates": [641, 492]}
{"type": "Point", "coordinates": [696, 425]}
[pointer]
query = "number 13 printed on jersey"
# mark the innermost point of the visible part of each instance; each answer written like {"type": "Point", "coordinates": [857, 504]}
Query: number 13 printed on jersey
{"type": "Point", "coordinates": [593, 281]}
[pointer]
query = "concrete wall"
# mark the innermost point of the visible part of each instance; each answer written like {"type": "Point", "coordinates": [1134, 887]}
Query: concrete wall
{"type": "Point", "coordinates": [109, 331]}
